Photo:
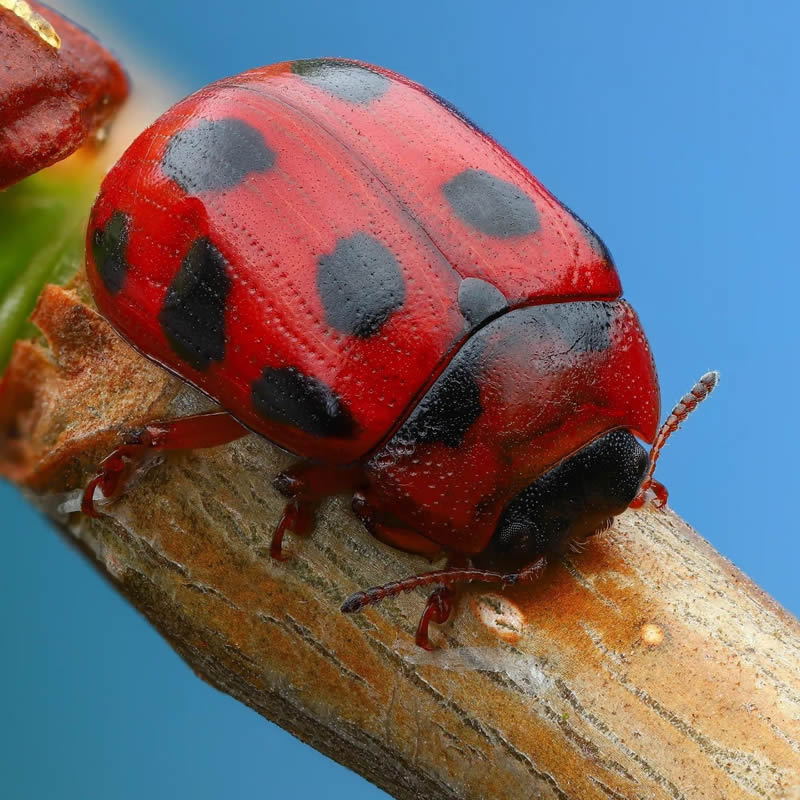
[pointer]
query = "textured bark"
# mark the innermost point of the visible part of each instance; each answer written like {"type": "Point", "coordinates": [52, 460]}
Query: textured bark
{"type": "Point", "coordinates": [645, 667]}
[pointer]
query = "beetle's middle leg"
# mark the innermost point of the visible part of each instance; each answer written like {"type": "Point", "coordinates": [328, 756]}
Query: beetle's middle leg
{"type": "Point", "coordinates": [306, 485]}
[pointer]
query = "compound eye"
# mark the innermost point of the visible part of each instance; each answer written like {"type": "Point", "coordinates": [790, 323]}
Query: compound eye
{"type": "Point", "coordinates": [570, 501]}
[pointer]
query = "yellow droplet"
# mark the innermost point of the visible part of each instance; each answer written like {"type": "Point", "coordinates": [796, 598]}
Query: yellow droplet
{"type": "Point", "coordinates": [652, 634]}
{"type": "Point", "coordinates": [36, 21]}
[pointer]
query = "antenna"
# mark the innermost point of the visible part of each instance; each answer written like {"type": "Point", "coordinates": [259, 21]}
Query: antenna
{"type": "Point", "coordinates": [682, 409]}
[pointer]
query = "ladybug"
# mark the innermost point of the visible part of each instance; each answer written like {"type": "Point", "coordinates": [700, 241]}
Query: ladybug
{"type": "Point", "coordinates": [354, 270]}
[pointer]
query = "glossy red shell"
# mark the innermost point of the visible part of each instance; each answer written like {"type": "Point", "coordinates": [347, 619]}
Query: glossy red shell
{"type": "Point", "coordinates": [353, 155]}
{"type": "Point", "coordinates": [51, 99]}
{"type": "Point", "coordinates": [542, 382]}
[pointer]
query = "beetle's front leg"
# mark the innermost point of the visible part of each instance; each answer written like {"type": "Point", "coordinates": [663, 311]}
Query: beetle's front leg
{"type": "Point", "coordinates": [655, 492]}
{"type": "Point", "coordinates": [438, 610]}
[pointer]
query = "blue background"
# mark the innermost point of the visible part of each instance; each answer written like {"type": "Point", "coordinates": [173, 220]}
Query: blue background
{"type": "Point", "coordinates": [672, 130]}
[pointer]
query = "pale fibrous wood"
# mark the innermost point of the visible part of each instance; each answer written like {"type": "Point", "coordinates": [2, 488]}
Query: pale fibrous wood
{"type": "Point", "coordinates": [645, 667]}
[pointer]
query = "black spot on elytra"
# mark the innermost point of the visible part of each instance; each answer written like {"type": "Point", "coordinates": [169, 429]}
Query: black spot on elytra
{"type": "Point", "coordinates": [360, 284]}
{"type": "Point", "coordinates": [109, 244]}
{"type": "Point", "coordinates": [344, 79]}
{"type": "Point", "coordinates": [215, 154]}
{"type": "Point", "coordinates": [447, 411]}
{"type": "Point", "coordinates": [193, 314]}
{"type": "Point", "coordinates": [491, 205]}
{"type": "Point", "coordinates": [288, 396]}
{"type": "Point", "coordinates": [478, 300]}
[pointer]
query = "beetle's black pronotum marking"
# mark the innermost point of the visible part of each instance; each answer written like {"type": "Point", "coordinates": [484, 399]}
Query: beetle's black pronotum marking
{"type": "Point", "coordinates": [583, 327]}
{"type": "Point", "coordinates": [288, 396]}
{"type": "Point", "coordinates": [478, 300]}
{"type": "Point", "coordinates": [108, 250]}
{"type": "Point", "coordinates": [570, 501]}
{"type": "Point", "coordinates": [360, 284]}
{"type": "Point", "coordinates": [215, 154]}
{"type": "Point", "coordinates": [193, 314]}
{"type": "Point", "coordinates": [491, 205]}
{"type": "Point", "coordinates": [344, 79]}
{"type": "Point", "coordinates": [555, 333]}
{"type": "Point", "coordinates": [446, 412]}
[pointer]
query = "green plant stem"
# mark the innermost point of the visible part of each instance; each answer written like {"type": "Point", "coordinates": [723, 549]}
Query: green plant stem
{"type": "Point", "coordinates": [42, 224]}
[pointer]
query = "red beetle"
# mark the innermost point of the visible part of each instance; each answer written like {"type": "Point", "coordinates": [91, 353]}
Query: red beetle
{"type": "Point", "coordinates": [355, 271]}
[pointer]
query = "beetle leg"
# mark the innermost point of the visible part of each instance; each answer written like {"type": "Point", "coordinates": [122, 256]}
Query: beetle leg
{"type": "Point", "coordinates": [438, 610]}
{"type": "Point", "coordinates": [113, 472]}
{"type": "Point", "coordinates": [439, 605]}
{"type": "Point", "coordinates": [306, 485]}
{"type": "Point", "coordinates": [297, 517]}
{"type": "Point", "coordinates": [654, 492]}
{"type": "Point", "coordinates": [186, 433]}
